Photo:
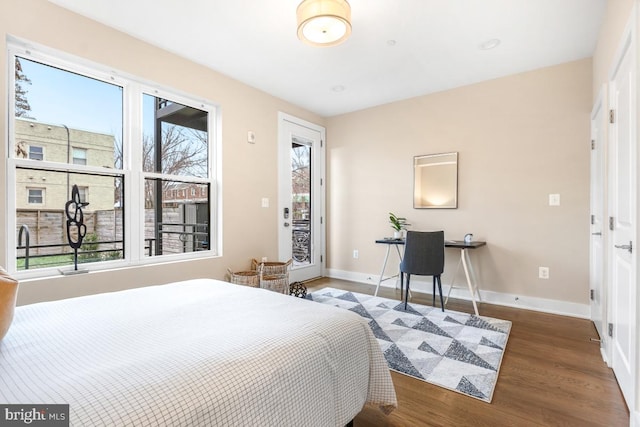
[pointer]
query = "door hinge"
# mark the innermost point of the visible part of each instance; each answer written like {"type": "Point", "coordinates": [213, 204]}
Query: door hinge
{"type": "Point", "coordinates": [320, 181]}
{"type": "Point", "coordinates": [593, 144]}
{"type": "Point", "coordinates": [593, 219]}
{"type": "Point", "coordinates": [321, 220]}
{"type": "Point", "coordinates": [321, 258]}
{"type": "Point", "coordinates": [591, 294]}
{"type": "Point", "coordinates": [321, 142]}
{"type": "Point", "coordinates": [611, 223]}
{"type": "Point", "coordinates": [612, 116]}
{"type": "Point", "coordinates": [610, 332]}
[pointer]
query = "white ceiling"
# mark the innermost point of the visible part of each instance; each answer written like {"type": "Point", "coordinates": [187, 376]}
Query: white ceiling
{"type": "Point", "coordinates": [436, 43]}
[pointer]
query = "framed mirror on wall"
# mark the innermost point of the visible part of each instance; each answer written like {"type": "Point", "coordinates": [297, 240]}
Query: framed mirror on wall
{"type": "Point", "coordinates": [435, 181]}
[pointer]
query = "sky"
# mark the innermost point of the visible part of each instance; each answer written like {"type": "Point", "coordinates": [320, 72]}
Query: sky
{"type": "Point", "coordinates": [59, 97]}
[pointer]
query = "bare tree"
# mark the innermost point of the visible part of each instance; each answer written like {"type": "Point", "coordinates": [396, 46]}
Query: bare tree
{"type": "Point", "coordinates": [301, 177]}
{"type": "Point", "coordinates": [183, 152]}
{"type": "Point", "coordinates": [300, 168]}
{"type": "Point", "coordinates": [23, 109]}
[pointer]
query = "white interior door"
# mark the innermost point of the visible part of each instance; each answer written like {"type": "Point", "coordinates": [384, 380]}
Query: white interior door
{"type": "Point", "coordinates": [596, 247]}
{"type": "Point", "coordinates": [622, 219]}
{"type": "Point", "coordinates": [301, 232]}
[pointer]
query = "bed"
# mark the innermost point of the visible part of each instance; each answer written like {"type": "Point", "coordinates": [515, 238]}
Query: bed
{"type": "Point", "coordinates": [194, 353]}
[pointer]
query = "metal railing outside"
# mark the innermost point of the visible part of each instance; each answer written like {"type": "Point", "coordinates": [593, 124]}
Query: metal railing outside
{"type": "Point", "coordinates": [190, 241]}
{"type": "Point", "coordinates": [301, 240]}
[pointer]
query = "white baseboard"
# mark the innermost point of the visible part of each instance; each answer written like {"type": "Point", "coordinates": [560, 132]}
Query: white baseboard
{"type": "Point", "coordinates": [603, 353]}
{"type": "Point", "coordinates": [564, 308]}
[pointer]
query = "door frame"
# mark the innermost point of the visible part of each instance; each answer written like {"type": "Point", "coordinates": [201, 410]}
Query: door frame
{"type": "Point", "coordinates": [284, 144]}
{"type": "Point", "coordinates": [598, 200]}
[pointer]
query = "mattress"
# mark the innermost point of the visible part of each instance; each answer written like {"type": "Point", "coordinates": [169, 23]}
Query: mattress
{"type": "Point", "coordinates": [194, 353]}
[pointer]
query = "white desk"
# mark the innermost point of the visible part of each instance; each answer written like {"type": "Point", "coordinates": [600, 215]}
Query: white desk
{"type": "Point", "coordinates": [465, 261]}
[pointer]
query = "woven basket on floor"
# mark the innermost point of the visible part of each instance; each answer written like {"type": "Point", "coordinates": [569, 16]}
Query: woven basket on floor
{"type": "Point", "coordinates": [275, 282]}
{"type": "Point", "coordinates": [245, 278]}
{"type": "Point", "coordinates": [271, 267]}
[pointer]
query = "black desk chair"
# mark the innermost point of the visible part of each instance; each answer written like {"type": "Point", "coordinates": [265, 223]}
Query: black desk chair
{"type": "Point", "coordinates": [423, 256]}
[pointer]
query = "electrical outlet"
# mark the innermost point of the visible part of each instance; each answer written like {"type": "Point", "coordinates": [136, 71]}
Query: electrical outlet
{"type": "Point", "coordinates": [554, 200]}
{"type": "Point", "coordinates": [355, 253]}
{"type": "Point", "coordinates": [543, 272]}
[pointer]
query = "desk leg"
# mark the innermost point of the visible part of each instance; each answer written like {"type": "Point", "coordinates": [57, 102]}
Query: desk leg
{"type": "Point", "coordinates": [384, 266]}
{"type": "Point", "coordinates": [453, 281]}
{"type": "Point", "coordinates": [472, 275]}
{"type": "Point", "coordinates": [463, 256]}
{"type": "Point", "coordinates": [400, 258]}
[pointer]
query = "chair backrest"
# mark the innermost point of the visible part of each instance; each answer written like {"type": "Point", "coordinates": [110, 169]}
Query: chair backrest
{"type": "Point", "coordinates": [423, 253]}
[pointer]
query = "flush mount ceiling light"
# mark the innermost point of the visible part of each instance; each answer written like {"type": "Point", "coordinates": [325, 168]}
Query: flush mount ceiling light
{"type": "Point", "coordinates": [324, 22]}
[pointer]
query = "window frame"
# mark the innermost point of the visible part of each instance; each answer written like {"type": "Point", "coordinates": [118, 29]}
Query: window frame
{"type": "Point", "coordinates": [133, 89]}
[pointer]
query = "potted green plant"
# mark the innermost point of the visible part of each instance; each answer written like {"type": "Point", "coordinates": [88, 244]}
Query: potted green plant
{"type": "Point", "coordinates": [398, 224]}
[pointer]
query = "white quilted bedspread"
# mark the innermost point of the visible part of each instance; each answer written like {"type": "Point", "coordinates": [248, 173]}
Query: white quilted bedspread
{"type": "Point", "coordinates": [194, 353]}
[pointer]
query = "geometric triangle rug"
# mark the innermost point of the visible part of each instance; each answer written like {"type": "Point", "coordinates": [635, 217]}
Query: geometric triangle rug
{"type": "Point", "coordinates": [454, 350]}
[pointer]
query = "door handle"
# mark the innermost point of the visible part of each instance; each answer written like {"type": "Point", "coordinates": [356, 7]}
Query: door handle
{"type": "Point", "coordinates": [597, 233]}
{"type": "Point", "coordinates": [286, 224]}
{"type": "Point", "coordinates": [628, 247]}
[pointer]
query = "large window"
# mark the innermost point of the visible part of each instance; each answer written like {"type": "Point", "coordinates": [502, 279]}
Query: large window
{"type": "Point", "coordinates": [101, 131]}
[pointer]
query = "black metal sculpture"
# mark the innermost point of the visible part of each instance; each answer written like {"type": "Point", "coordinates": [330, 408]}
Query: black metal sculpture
{"type": "Point", "coordinates": [76, 230]}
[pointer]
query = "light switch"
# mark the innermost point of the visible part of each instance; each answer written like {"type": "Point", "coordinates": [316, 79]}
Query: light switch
{"type": "Point", "coordinates": [554, 200]}
{"type": "Point", "coordinates": [265, 202]}
{"type": "Point", "coordinates": [251, 137]}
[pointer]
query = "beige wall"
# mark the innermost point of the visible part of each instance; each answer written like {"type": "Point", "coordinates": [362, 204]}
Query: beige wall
{"type": "Point", "coordinates": [249, 230]}
{"type": "Point", "coordinates": [519, 139]}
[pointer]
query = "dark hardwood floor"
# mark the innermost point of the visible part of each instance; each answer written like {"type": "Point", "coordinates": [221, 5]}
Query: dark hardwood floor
{"type": "Point", "coordinates": [551, 375]}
